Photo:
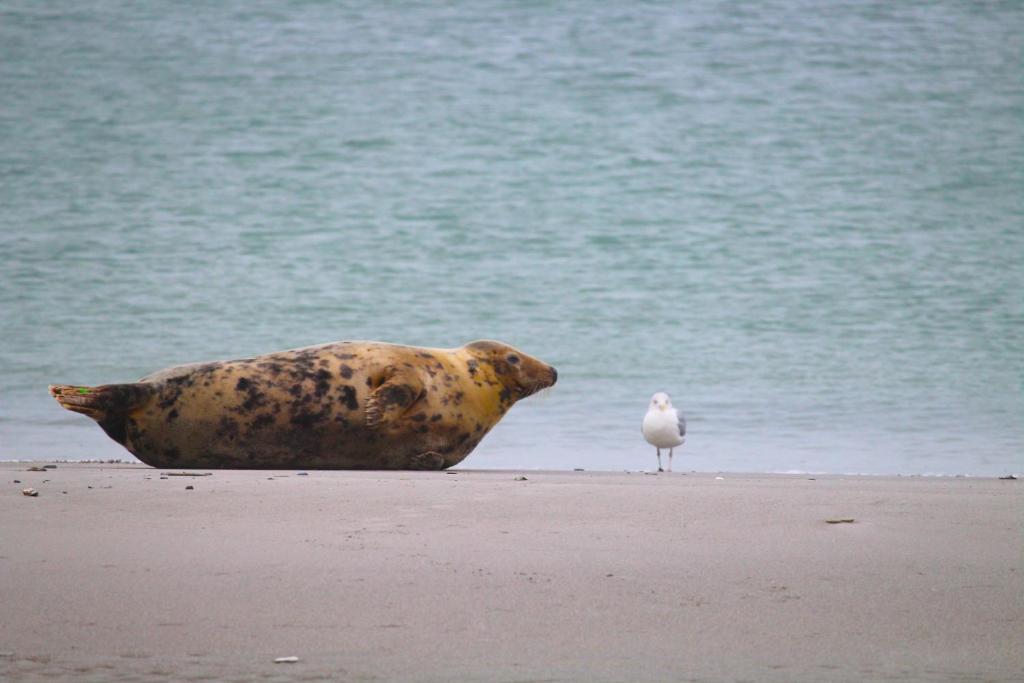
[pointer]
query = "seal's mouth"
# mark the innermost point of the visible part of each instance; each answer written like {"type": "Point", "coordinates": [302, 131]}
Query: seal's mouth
{"type": "Point", "coordinates": [539, 385]}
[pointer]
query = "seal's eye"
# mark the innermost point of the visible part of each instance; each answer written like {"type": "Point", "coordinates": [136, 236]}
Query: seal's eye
{"type": "Point", "coordinates": [513, 359]}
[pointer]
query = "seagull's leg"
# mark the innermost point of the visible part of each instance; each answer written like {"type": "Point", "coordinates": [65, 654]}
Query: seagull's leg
{"type": "Point", "coordinates": [659, 461]}
{"type": "Point", "coordinates": [670, 460]}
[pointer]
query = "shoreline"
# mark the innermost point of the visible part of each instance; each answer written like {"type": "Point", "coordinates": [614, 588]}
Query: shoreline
{"type": "Point", "coordinates": [1017, 474]}
{"type": "Point", "coordinates": [477, 575]}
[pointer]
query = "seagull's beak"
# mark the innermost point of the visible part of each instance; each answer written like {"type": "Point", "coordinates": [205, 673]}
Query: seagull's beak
{"type": "Point", "coordinates": [662, 406]}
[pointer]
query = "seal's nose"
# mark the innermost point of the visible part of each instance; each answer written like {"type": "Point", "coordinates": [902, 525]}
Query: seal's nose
{"type": "Point", "coordinates": [554, 376]}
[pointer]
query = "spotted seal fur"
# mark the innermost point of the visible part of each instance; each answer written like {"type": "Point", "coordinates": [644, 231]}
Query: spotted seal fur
{"type": "Point", "coordinates": [344, 405]}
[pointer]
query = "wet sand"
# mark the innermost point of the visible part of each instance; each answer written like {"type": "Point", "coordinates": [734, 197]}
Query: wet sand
{"type": "Point", "coordinates": [115, 574]}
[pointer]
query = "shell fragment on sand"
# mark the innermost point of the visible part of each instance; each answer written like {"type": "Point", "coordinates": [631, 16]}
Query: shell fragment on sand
{"type": "Point", "coordinates": [32, 493]}
{"type": "Point", "coordinates": [842, 520]}
{"type": "Point", "coordinates": [285, 660]}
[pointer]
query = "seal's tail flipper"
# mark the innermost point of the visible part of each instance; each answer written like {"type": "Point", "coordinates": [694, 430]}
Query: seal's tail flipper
{"type": "Point", "coordinates": [103, 401]}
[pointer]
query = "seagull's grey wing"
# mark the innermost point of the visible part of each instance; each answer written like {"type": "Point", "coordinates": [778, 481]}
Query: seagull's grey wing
{"type": "Point", "coordinates": [682, 425]}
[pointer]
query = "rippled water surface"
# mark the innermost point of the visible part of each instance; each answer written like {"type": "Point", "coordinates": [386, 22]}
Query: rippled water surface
{"type": "Point", "coordinates": [804, 220]}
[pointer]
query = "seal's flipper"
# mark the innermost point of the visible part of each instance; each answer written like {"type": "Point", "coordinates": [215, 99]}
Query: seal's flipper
{"type": "Point", "coordinates": [102, 400]}
{"type": "Point", "coordinates": [390, 400]}
{"type": "Point", "coordinates": [431, 460]}
{"type": "Point", "coordinates": [108, 404]}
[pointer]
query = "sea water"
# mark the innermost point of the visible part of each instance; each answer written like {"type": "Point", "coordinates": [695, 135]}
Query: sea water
{"type": "Point", "coordinates": [803, 220]}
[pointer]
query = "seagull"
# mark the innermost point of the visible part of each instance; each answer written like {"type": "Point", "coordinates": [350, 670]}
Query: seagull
{"type": "Point", "coordinates": [663, 426]}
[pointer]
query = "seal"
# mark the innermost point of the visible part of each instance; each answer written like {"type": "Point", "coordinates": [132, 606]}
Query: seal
{"type": "Point", "coordinates": [343, 405]}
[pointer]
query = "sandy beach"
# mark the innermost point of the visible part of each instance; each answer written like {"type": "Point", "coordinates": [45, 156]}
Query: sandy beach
{"type": "Point", "coordinates": [113, 573]}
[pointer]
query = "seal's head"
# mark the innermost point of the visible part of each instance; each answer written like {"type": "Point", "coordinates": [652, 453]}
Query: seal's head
{"type": "Point", "coordinates": [521, 374]}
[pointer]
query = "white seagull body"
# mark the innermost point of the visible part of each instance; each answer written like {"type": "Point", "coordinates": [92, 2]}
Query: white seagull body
{"type": "Point", "coordinates": [663, 426]}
